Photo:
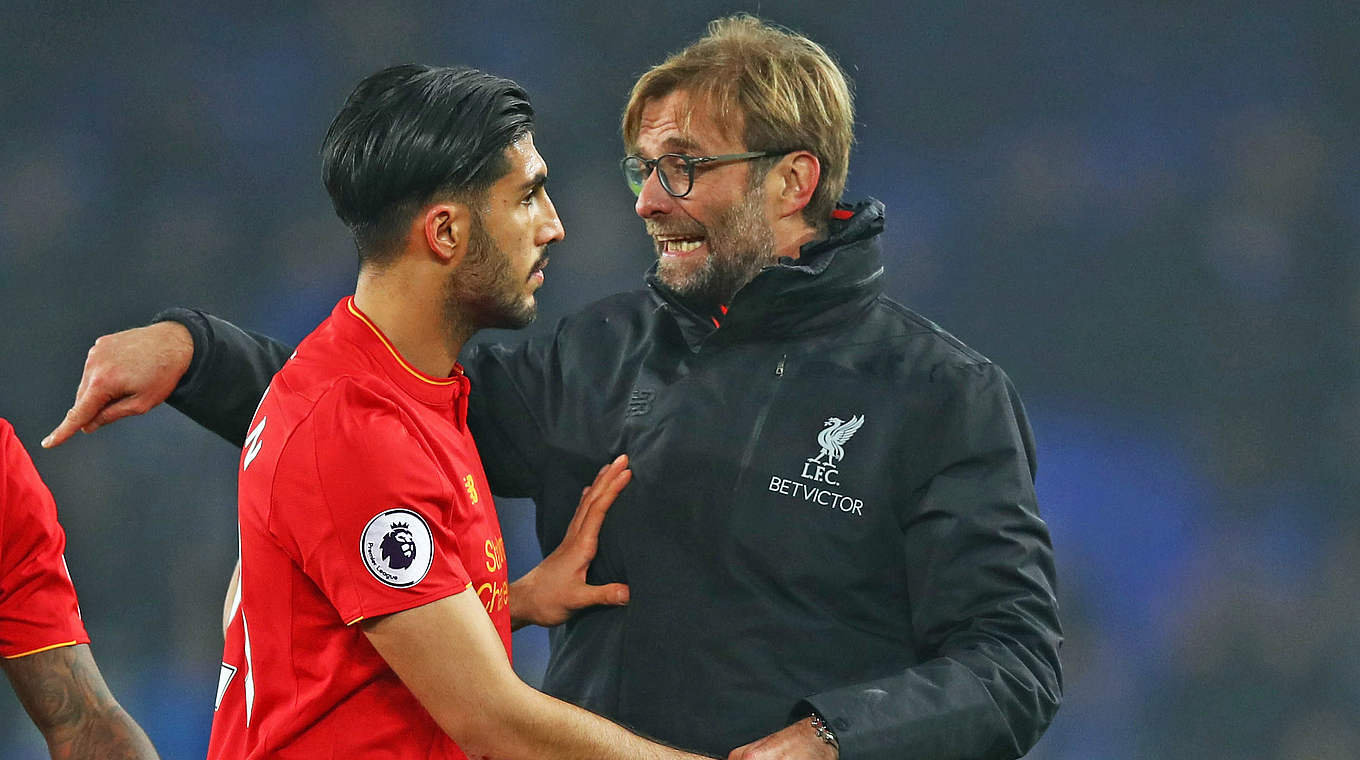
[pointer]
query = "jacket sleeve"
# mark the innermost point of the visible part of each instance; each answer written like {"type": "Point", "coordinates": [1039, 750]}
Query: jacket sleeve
{"type": "Point", "coordinates": [982, 589]}
{"type": "Point", "coordinates": [230, 370]}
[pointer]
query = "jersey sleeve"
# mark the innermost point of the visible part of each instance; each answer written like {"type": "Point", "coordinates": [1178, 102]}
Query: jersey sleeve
{"type": "Point", "coordinates": [38, 609]}
{"type": "Point", "coordinates": [361, 504]}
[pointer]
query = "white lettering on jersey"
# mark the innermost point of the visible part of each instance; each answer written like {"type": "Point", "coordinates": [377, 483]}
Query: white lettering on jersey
{"type": "Point", "coordinates": [250, 671]}
{"type": "Point", "coordinates": [253, 444]}
{"type": "Point", "coordinates": [223, 681]}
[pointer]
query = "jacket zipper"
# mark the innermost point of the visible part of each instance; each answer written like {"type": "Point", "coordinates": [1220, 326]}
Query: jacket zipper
{"type": "Point", "coordinates": [759, 426]}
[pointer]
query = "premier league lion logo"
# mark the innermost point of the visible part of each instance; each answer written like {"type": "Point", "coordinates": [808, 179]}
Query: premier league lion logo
{"type": "Point", "coordinates": [399, 547]}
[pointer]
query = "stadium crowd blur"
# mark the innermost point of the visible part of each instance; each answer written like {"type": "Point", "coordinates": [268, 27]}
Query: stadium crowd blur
{"type": "Point", "coordinates": [1148, 214]}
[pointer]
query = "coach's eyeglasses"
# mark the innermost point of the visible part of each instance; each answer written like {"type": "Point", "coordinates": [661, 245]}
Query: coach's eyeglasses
{"type": "Point", "coordinates": [677, 169]}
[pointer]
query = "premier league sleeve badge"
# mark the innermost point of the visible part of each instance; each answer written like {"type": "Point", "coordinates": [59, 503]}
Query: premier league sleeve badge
{"type": "Point", "coordinates": [397, 547]}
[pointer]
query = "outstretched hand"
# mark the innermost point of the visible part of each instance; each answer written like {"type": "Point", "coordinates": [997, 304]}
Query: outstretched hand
{"type": "Point", "coordinates": [556, 588]}
{"type": "Point", "coordinates": [796, 742]}
{"type": "Point", "coordinates": [126, 373]}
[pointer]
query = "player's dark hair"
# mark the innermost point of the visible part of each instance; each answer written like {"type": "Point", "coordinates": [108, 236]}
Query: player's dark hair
{"type": "Point", "coordinates": [410, 134]}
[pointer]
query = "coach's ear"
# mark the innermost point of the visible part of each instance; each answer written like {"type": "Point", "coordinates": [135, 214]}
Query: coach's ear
{"type": "Point", "coordinates": [446, 228]}
{"type": "Point", "coordinates": [790, 183]}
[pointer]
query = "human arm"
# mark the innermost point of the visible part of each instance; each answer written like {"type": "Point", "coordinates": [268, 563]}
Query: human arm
{"type": "Point", "coordinates": [43, 645]}
{"type": "Point", "coordinates": [65, 695]}
{"type": "Point", "coordinates": [449, 655]}
{"type": "Point", "coordinates": [206, 367]}
{"type": "Point", "coordinates": [798, 741]}
{"type": "Point", "coordinates": [981, 588]}
{"type": "Point", "coordinates": [556, 587]}
{"type": "Point", "coordinates": [338, 472]}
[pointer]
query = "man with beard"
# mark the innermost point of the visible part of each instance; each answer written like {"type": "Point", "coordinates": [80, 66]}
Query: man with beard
{"type": "Point", "coordinates": [372, 616]}
{"type": "Point", "coordinates": [832, 539]}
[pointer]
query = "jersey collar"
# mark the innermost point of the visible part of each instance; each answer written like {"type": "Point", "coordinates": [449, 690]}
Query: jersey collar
{"type": "Point", "coordinates": [358, 327]}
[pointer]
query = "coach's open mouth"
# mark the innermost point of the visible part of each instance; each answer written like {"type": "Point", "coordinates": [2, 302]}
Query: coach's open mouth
{"type": "Point", "coordinates": [679, 246]}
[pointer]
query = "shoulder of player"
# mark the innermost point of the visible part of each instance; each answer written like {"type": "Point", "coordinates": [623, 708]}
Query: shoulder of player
{"type": "Point", "coordinates": [9, 446]}
{"type": "Point", "coordinates": [353, 408]}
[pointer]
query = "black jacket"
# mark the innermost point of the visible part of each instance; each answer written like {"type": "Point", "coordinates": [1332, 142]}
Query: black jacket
{"type": "Point", "coordinates": [893, 574]}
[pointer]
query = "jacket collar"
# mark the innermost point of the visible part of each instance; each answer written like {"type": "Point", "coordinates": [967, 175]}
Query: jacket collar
{"type": "Point", "coordinates": [833, 279]}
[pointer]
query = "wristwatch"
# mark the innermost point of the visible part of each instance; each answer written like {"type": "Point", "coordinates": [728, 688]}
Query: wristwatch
{"type": "Point", "coordinates": [824, 732]}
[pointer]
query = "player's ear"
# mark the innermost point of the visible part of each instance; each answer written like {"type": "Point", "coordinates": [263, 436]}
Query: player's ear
{"type": "Point", "coordinates": [446, 228]}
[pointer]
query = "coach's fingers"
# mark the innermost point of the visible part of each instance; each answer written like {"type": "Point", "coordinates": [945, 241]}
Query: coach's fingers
{"type": "Point", "coordinates": [124, 407]}
{"type": "Point", "coordinates": [87, 406]}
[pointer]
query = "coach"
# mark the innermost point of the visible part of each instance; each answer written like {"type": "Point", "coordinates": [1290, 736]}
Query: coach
{"type": "Point", "coordinates": [831, 538]}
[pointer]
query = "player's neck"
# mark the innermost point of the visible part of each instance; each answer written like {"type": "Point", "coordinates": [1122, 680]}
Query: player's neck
{"type": "Point", "coordinates": [411, 313]}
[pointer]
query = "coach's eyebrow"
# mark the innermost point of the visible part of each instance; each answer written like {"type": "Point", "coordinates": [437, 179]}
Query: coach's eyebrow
{"type": "Point", "coordinates": [680, 144]}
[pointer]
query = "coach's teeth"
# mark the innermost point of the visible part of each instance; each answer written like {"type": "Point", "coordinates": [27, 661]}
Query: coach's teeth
{"type": "Point", "coordinates": [683, 246]}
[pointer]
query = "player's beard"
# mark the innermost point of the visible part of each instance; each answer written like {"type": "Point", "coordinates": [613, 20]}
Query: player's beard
{"type": "Point", "coordinates": [484, 292]}
{"type": "Point", "coordinates": [740, 244]}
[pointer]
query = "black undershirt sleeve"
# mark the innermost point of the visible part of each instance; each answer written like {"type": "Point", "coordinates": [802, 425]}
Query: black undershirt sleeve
{"type": "Point", "coordinates": [230, 370]}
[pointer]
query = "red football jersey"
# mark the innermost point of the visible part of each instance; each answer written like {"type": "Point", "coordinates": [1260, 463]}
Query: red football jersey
{"type": "Point", "coordinates": [361, 494]}
{"type": "Point", "coordinates": [38, 608]}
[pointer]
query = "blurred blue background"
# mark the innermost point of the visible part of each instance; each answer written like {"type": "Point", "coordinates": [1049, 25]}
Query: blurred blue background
{"type": "Point", "coordinates": [1148, 213]}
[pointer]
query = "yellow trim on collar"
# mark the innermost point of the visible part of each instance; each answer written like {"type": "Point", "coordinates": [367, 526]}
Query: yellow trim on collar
{"type": "Point", "coordinates": [417, 373]}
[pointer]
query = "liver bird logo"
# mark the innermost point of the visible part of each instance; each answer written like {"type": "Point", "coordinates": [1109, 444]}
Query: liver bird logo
{"type": "Point", "coordinates": [835, 433]}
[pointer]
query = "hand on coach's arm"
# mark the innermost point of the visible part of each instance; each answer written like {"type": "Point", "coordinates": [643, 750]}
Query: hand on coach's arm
{"type": "Point", "coordinates": [796, 742]}
{"type": "Point", "coordinates": [126, 373]}
{"type": "Point", "coordinates": [548, 594]}
{"type": "Point", "coordinates": [65, 695]}
{"type": "Point", "coordinates": [450, 656]}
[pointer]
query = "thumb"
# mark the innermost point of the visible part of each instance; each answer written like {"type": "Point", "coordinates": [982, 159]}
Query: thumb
{"type": "Point", "coordinates": [612, 594]}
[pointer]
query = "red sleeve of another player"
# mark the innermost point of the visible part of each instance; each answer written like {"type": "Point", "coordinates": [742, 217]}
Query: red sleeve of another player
{"type": "Point", "coordinates": [38, 608]}
{"type": "Point", "coordinates": [361, 503]}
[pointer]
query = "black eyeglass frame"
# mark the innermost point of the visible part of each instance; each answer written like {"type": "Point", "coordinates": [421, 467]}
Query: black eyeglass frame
{"type": "Point", "coordinates": [649, 164]}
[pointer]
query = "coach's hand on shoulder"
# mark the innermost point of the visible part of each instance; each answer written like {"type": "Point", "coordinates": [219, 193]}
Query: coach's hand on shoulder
{"type": "Point", "coordinates": [796, 742]}
{"type": "Point", "coordinates": [126, 373]}
{"type": "Point", "coordinates": [556, 588]}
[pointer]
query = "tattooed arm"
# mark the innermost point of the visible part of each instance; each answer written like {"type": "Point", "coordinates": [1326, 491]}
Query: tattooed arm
{"type": "Point", "coordinates": [66, 696]}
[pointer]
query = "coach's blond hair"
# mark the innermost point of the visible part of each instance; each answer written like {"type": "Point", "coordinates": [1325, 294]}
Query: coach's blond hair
{"type": "Point", "coordinates": [782, 88]}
